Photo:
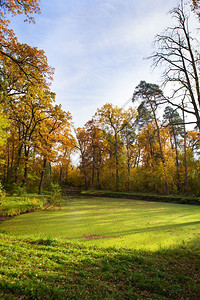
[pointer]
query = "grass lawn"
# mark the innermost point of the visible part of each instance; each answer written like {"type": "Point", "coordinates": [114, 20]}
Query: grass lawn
{"type": "Point", "coordinates": [57, 269]}
{"type": "Point", "coordinates": [109, 222]}
{"type": "Point", "coordinates": [41, 257]}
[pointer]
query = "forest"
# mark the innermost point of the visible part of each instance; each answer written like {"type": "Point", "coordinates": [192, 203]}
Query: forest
{"type": "Point", "coordinates": [149, 147]}
{"type": "Point", "coordinates": [132, 230]}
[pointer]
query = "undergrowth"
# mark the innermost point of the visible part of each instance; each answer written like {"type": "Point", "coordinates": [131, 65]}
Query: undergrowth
{"type": "Point", "coordinates": [181, 199]}
{"type": "Point", "coordinates": [15, 205]}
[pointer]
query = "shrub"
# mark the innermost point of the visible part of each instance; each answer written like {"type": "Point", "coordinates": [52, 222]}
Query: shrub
{"type": "Point", "coordinates": [15, 189]}
{"type": "Point", "coordinates": [54, 199]}
{"type": "Point", "coordinates": [2, 192]}
{"type": "Point", "coordinates": [13, 206]}
{"type": "Point", "coordinates": [146, 197]}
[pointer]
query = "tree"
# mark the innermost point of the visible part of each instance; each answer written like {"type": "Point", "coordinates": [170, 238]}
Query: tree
{"type": "Point", "coordinates": [128, 136]}
{"type": "Point", "coordinates": [151, 95]}
{"type": "Point", "coordinates": [27, 114]}
{"type": "Point", "coordinates": [21, 67]}
{"type": "Point", "coordinates": [172, 119]}
{"type": "Point", "coordinates": [185, 150]}
{"type": "Point", "coordinates": [50, 134]}
{"type": "Point", "coordinates": [95, 149]}
{"type": "Point", "coordinates": [196, 7]}
{"type": "Point", "coordinates": [15, 7]}
{"type": "Point", "coordinates": [82, 146]}
{"type": "Point", "coordinates": [178, 53]}
{"type": "Point", "coordinates": [66, 146]}
{"type": "Point", "coordinates": [113, 120]}
{"type": "Point", "coordinates": [3, 132]}
{"type": "Point", "coordinates": [19, 63]}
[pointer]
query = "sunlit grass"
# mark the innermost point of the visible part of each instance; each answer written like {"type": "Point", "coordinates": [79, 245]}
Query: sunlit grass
{"type": "Point", "coordinates": [112, 223]}
{"type": "Point", "coordinates": [15, 205]}
{"type": "Point", "coordinates": [36, 268]}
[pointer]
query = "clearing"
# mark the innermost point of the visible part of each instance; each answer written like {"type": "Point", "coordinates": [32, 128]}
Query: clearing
{"type": "Point", "coordinates": [109, 222]}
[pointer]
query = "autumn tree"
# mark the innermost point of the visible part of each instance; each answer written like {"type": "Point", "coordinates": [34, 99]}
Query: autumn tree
{"type": "Point", "coordinates": [113, 120]}
{"type": "Point", "coordinates": [15, 7]}
{"type": "Point", "coordinates": [95, 149]}
{"type": "Point", "coordinates": [50, 135]}
{"type": "Point", "coordinates": [151, 96]}
{"type": "Point", "coordinates": [82, 146]}
{"type": "Point", "coordinates": [196, 7]}
{"type": "Point", "coordinates": [143, 121]}
{"type": "Point", "coordinates": [26, 114]}
{"type": "Point", "coordinates": [178, 54]}
{"type": "Point", "coordinates": [66, 147]}
{"type": "Point", "coordinates": [128, 136]}
{"type": "Point", "coordinates": [20, 64]}
{"type": "Point", "coordinates": [40, 130]}
{"type": "Point", "coordinates": [173, 120]}
{"type": "Point", "coordinates": [3, 134]}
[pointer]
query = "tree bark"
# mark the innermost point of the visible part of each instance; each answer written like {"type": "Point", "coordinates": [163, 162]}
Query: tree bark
{"type": "Point", "coordinates": [185, 154]}
{"type": "Point", "coordinates": [42, 176]}
{"type": "Point", "coordinates": [116, 164]}
{"type": "Point", "coordinates": [160, 146]}
{"type": "Point", "coordinates": [177, 161]}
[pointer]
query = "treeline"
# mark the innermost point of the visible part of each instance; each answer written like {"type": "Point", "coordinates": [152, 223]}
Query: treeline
{"type": "Point", "coordinates": [132, 150]}
{"type": "Point", "coordinates": [136, 149]}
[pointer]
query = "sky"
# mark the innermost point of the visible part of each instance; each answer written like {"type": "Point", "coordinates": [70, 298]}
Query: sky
{"type": "Point", "coordinates": [97, 47]}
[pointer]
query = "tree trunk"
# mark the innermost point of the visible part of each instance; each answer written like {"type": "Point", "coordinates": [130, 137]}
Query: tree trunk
{"type": "Point", "coordinates": [42, 176]}
{"type": "Point", "coordinates": [26, 152]}
{"type": "Point", "coordinates": [12, 157]}
{"type": "Point", "coordinates": [116, 164]}
{"type": "Point", "coordinates": [60, 175]}
{"type": "Point", "coordinates": [128, 167]}
{"type": "Point", "coordinates": [85, 178]}
{"type": "Point", "coordinates": [93, 168]}
{"type": "Point", "coordinates": [18, 162]}
{"type": "Point", "coordinates": [185, 154]}
{"type": "Point", "coordinates": [160, 145]}
{"type": "Point", "coordinates": [177, 162]}
{"type": "Point", "coordinates": [93, 176]}
{"type": "Point", "coordinates": [25, 172]}
{"type": "Point", "coordinates": [8, 163]}
{"type": "Point", "coordinates": [98, 179]}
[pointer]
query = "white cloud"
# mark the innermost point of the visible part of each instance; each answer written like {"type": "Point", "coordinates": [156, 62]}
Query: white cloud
{"type": "Point", "coordinates": [97, 48]}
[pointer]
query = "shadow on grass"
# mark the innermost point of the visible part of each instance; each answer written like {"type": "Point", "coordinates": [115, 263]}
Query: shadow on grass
{"type": "Point", "coordinates": [51, 269]}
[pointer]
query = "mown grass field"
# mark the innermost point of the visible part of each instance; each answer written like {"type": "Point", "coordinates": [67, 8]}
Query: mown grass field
{"type": "Point", "coordinates": [100, 248]}
{"type": "Point", "coordinates": [112, 223]}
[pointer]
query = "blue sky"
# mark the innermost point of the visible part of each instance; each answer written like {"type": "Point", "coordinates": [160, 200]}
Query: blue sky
{"type": "Point", "coordinates": [97, 48]}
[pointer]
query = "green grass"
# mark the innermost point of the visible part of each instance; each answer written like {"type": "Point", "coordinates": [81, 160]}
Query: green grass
{"type": "Point", "coordinates": [15, 205]}
{"type": "Point", "coordinates": [75, 252]}
{"type": "Point", "coordinates": [57, 269]}
{"type": "Point", "coordinates": [115, 223]}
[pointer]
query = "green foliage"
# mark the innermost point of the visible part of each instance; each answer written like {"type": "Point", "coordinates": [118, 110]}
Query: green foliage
{"type": "Point", "coordinates": [146, 197]}
{"type": "Point", "coordinates": [13, 206]}
{"type": "Point", "coordinates": [3, 127]}
{"type": "Point", "coordinates": [56, 269]}
{"type": "Point", "coordinates": [3, 131]}
{"type": "Point", "coordinates": [2, 192]}
{"type": "Point", "coordinates": [54, 198]}
{"type": "Point", "coordinates": [15, 189]}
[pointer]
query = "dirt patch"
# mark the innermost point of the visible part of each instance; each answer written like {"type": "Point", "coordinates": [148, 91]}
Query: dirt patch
{"type": "Point", "coordinates": [96, 236]}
